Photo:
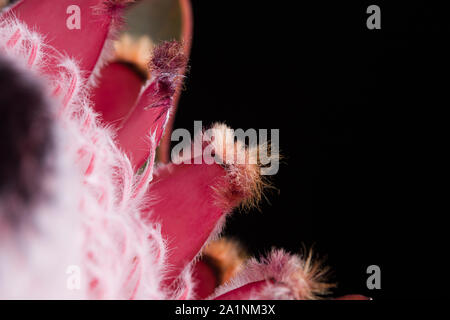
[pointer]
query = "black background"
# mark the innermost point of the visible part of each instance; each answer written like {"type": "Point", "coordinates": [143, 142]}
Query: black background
{"type": "Point", "coordinates": [361, 118]}
{"type": "Point", "coordinates": [356, 109]}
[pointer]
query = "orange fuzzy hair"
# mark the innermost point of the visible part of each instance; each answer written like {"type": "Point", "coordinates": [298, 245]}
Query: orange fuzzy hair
{"type": "Point", "coordinates": [226, 257]}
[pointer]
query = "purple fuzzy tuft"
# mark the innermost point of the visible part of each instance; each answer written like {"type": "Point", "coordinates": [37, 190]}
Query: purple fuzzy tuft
{"type": "Point", "coordinates": [169, 58]}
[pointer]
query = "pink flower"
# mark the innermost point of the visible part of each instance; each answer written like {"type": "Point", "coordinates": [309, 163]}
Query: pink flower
{"type": "Point", "coordinates": [133, 234]}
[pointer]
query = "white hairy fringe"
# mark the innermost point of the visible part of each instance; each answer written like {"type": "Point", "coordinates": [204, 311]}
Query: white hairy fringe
{"type": "Point", "coordinates": [92, 221]}
{"type": "Point", "coordinates": [288, 277]}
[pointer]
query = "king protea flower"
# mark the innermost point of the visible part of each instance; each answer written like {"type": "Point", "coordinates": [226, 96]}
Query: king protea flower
{"type": "Point", "coordinates": [80, 191]}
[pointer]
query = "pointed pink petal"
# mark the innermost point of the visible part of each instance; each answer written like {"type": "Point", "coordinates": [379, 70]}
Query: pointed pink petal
{"type": "Point", "coordinates": [152, 109]}
{"type": "Point", "coordinates": [191, 201]}
{"type": "Point", "coordinates": [117, 91]}
{"type": "Point", "coordinates": [186, 209]}
{"type": "Point", "coordinates": [353, 297]}
{"type": "Point", "coordinates": [85, 45]}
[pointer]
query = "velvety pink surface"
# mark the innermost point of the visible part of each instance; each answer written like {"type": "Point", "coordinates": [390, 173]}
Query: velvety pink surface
{"type": "Point", "coordinates": [184, 204]}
